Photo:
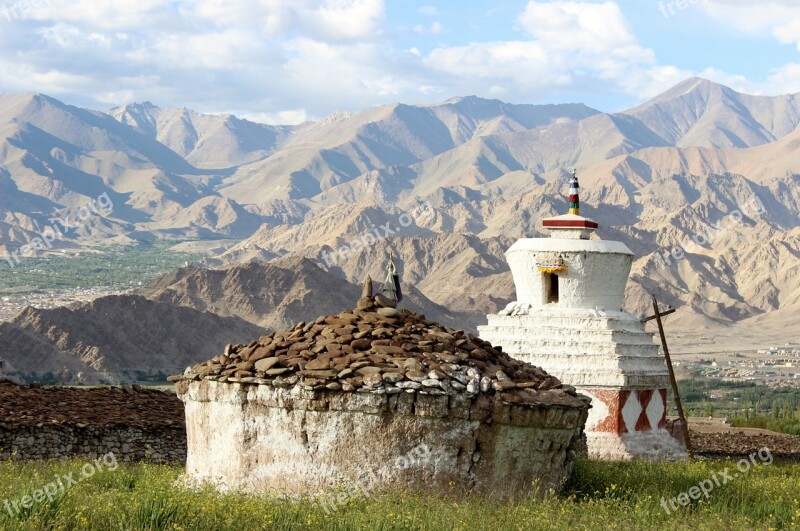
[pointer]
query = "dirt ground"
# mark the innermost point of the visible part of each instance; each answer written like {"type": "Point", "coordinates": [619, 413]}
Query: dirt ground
{"type": "Point", "coordinates": [714, 438]}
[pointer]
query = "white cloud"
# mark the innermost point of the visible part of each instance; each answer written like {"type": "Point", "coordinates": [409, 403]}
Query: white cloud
{"type": "Point", "coordinates": [784, 80]}
{"type": "Point", "coordinates": [570, 41]}
{"type": "Point", "coordinates": [434, 29]}
{"type": "Point", "coordinates": [573, 43]}
{"type": "Point", "coordinates": [287, 117]}
{"type": "Point", "coordinates": [353, 19]}
{"type": "Point", "coordinates": [778, 18]}
{"type": "Point", "coordinates": [345, 72]}
{"type": "Point", "coordinates": [327, 20]}
{"type": "Point", "coordinates": [577, 26]}
{"type": "Point", "coordinates": [108, 14]}
{"type": "Point", "coordinates": [228, 49]}
{"type": "Point", "coordinates": [293, 60]}
{"type": "Point", "coordinates": [265, 56]}
{"type": "Point", "coordinates": [333, 20]}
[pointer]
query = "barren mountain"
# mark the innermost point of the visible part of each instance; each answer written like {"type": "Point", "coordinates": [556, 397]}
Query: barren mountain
{"type": "Point", "coordinates": [736, 238]}
{"type": "Point", "coordinates": [56, 159]}
{"type": "Point", "coordinates": [210, 217]}
{"type": "Point", "coordinates": [341, 149]}
{"type": "Point", "coordinates": [115, 338]}
{"type": "Point", "coordinates": [275, 294]}
{"type": "Point", "coordinates": [700, 168]}
{"type": "Point", "coordinates": [336, 226]}
{"type": "Point", "coordinates": [699, 113]}
{"type": "Point", "coordinates": [205, 140]}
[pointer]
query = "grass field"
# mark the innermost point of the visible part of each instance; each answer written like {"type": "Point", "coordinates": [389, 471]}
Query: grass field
{"type": "Point", "coordinates": [600, 496]}
{"type": "Point", "coordinates": [119, 266]}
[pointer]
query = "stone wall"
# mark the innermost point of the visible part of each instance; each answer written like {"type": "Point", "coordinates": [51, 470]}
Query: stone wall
{"type": "Point", "coordinates": [54, 422]}
{"type": "Point", "coordinates": [162, 445]}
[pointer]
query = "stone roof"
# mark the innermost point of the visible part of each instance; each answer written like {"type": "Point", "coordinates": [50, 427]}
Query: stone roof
{"type": "Point", "coordinates": [34, 405]}
{"type": "Point", "coordinates": [384, 351]}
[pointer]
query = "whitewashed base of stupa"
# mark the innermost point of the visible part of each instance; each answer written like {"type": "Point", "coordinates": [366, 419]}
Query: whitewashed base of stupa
{"type": "Point", "coordinates": [607, 356]}
{"type": "Point", "coordinates": [292, 442]}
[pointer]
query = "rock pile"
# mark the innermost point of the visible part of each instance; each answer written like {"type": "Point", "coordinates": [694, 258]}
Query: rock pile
{"type": "Point", "coordinates": [54, 422]}
{"type": "Point", "coordinates": [304, 410]}
{"type": "Point", "coordinates": [383, 351]}
{"type": "Point", "coordinates": [129, 406]}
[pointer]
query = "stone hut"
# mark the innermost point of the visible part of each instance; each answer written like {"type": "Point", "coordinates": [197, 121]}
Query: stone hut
{"type": "Point", "coordinates": [377, 398]}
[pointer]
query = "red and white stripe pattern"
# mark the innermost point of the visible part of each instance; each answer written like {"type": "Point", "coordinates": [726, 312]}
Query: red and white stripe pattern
{"type": "Point", "coordinates": [632, 410]}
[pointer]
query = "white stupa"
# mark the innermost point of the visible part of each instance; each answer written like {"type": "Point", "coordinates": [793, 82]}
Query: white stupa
{"type": "Point", "coordinates": [568, 319]}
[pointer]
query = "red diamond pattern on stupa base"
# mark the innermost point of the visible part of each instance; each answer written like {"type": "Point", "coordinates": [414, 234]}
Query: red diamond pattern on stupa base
{"type": "Point", "coordinates": [632, 410]}
{"type": "Point", "coordinates": [643, 423]}
{"type": "Point", "coordinates": [613, 399]}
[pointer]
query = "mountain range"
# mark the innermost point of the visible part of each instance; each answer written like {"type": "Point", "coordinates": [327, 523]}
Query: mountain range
{"type": "Point", "coordinates": [446, 188]}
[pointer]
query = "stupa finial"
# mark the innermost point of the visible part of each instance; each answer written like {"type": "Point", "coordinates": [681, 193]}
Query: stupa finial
{"type": "Point", "coordinates": [391, 286]}
{"type": "Point", "coordinates": [574, 201]}
{"type": "Point", "coordinates": [571, 225]}
{"type": "Point", "coordinates": [390, 294]}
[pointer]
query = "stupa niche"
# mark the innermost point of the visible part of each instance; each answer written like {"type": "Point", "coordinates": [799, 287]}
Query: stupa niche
{"type": "Point", "coordinates": [568, 318]}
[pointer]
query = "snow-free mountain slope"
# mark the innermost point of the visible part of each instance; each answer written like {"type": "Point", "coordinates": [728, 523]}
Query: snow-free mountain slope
{"type": "Point", "coordinates": [456, 182]}
{"type": "Point", "coordinates": [700, 113]}
{"type": "Point", "coordinates": [205, 140]}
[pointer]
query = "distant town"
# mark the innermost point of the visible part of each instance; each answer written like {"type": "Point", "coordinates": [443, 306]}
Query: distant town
{"type": "Point", "coordinates": [772, 366]}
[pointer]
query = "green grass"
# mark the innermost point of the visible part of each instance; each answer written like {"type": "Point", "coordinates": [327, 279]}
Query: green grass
{"type": "Point", "coordinates": [600, 496]}
{"type": "Point", "coordinates": [118, 266]}
{"type": "Point", "coordinates": [764, 422]}
{"type": "Point", "coordinates": [740, 401]}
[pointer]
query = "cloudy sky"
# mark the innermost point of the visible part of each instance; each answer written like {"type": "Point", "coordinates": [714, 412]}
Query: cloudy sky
{"type": "Point", "coordinates": [290, 60]}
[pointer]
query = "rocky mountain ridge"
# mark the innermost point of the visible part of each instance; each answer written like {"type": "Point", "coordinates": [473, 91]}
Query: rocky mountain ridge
{"type": "Point", "coordinates": [701, 182]}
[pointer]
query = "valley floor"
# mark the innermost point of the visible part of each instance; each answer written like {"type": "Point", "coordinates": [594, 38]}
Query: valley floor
{"type": "Point", "coordinates": [601, 495]}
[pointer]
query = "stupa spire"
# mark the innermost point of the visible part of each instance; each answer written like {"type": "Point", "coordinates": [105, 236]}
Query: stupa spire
{"type": "Point", "coordinates": [574, 201]}
{"type": "Point", "coordinates": [571, 225]}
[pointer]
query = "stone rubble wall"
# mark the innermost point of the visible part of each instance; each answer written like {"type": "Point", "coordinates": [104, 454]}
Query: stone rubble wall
{"type": "Point", "coordinates": [260, 438]}
{"type": "Point", "coordinates": [161, 445]}
{"type": "Point", "coordinates": [135, 423]}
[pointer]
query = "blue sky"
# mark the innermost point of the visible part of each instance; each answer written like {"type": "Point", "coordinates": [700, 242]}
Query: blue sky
{"type": "Point", "coordinates": [291, 60]}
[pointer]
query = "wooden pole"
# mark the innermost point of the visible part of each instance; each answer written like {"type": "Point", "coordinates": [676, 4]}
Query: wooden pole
{"type": "Point", "coordinates": [672, 379]}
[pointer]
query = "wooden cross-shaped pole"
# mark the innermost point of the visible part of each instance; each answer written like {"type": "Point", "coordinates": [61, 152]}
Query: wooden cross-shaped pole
{"type": "Point", "coordinates": [679, 406]}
